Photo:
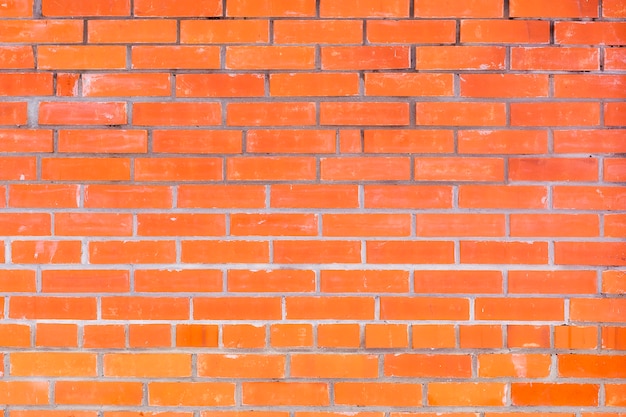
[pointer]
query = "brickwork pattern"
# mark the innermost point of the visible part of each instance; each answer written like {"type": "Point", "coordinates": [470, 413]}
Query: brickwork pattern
{"type": "Point", "coordinates": [312, 208]}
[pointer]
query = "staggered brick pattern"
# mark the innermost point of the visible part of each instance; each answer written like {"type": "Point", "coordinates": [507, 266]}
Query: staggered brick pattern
{"type": "Point", "coordinates": [292, 208]}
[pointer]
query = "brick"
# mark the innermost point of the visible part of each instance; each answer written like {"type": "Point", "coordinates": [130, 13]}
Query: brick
{"type": "Point", "coordinates": [270, 114]}
{"type": "Point", "coordinates": [514, 365]}
{"type": "Point", "coordinates": [408, 141]}
{"type": "Point", "coordinates": [472, 8]}
{"type": "Point", "coordinates": [365, 57]}
{"type": "Point", "coordinates": [590, 86]}
{"type": "Point", "coordinates": [613, 282]}
{"type": "Point", "coordinates": [291, 335]}
{"type": "Point", "coordinates": [135, 31]}
{"type": "Point", "coordinates": [59, 308]}
{"type": "Point", "coordinates": [555, 59]}
{"type": "Point", "coordinates": [191, 393]}
{"type": "Point", "coordinates": [290, 141]}
{"type": "Point", "coordinates": [141, 365]}
{"type": "Point", "coordinates": [600, 310]}
{"type": "Point", "coordinates": [176, 114]}
{"type": "Point", "coordinates": [339, 308]}
{"type": "Point", "coordinates": [83, 57]}
{"type": "Point", "coordinates": [16, 57]}
{"type": "Point", "coordinates": [552, 282]}
{"type": "Point", "coordinates": [459, 169]}
{"type": "Point", "coordinates": [376, 281]}
{"type": "Point", "coordinates": [404, 84]}
{"type": "Point", "coordinates": [178, 169]}
{"type": "Point", "coordinates": [379, 394]}
{"type": "Point", "coordinates": [42, 31]}
{"type": "Point", "coordinates": [46, 251]}
{"type": "Point", "coordinates": [465, 114]}
{"type": "Point", "coordinates": [614, 114]}
{"type": "Point", "coordinates": [196, 141]}
{"type": "Point", "coordinates": [270, 57]}
{"type": "Point", "coordinates": [270, 168]}
{"type": "Point", "coordinates": [575, 337]}
{"type": "Point", "coordinates": [590, 33]}
{"type": "Point", "coordinates": [102, 113]}
{"type": "Point", "coordinates": [407, 196]}
{"type": "Point", "coordinates": [179, 280]}
{"type": "Point", "coordinates": [102, 141]}
{"type": "Point", "coordinates": [128, 196]}
{"type": "Point", "coordinates": [529, 394]}
{"type": "Point", "coordinates": [428, 366]}
{"type": "Point", "coordinates": [17, 281]}
{"type": "Point", "coordinates": [111, 252]}
{"type": "Point", "coordinates": [422, 308]}
{"type": "Point", "coordinates": [79, 8]}
{"type": "Point", "coordinates": [237, 308]}
{"type": "Point", "coordinates": [528, 337]}
{"type": "Point", "coordinates": [144, 308]}
{"type": "Point", "coordinates": [614, 58]}
{"type": "Point", "coordinates": [285, 393]}
{"type": "Point", "coordinates": [53, 364]}
{"type": "Point", "coordinates": [386, 336]}
{"type": "Point", "coordinates": [338, 335]}
{"type": "Point", "coordinates": [433, 336]}
{"type": "Point", "coordinates": [171, 8]}
{"type": "Point", "coordinates": [313, 84]}
{"type": "Point", "coordinates": [44, 195]}
{"type": "Point", "coordinates": [180, 224]}
{"type": "Point", "coordinates": [408, 31]}
{"type": "Point", "coordinates": [512, 309]}
{"type": "Point", "coordinates": [590, 253]}
{"type": "Point", "coordinates": [241, 366]}
{"type": "Point", "coordinates": [94, 224]}
{"type": "Point", "coordinates": [405, 252]}
{"type": "Point", "coordinates": [460, 58]}
{"type": "Point", "coordinates": [17, 8]}
{"type": "Point", "coordinates": [377, 114]}
{"type": "Point", "coordinates": [505, 31]}
{"type": "Point", "coordinates": [121, 85]}
{"type": "Point", "coordinates": [223, 31]}
{"type": "Point", "coordinates": [347, 225]}
{"type": "Point", "coordinates": [149, 335]}
{"type": "Point", "coordinates": [347, 366]}
{"type": "Point", "coordinates": [278, 280]}
{"type": "Point", "coordinates": [271, 8]}
{"type": "Point", "coordinates": [487, 196]}
{"type": "Point", "coordinates": [327, 31]}
{"type": "Point", "coordinates": [88, 281]}
{"type": "Point", "coordinates": [243, 336]}
{"type": "Point", "coordinates": [197, 335]}
{"type": "Point", "coordinates": [446, 282]}
{"type": "Point", "coordinates": [466, 393]}
{"type": "Point", "coordinates": [365, 168]}
{"type": "Point", "coordinates": [481, 336]}
{"type": "Point", "coordinates": [175, 57]}
{"type": "Point", "coordinates": [567, 8]}
{"type": "Point", "coordinates": [15, 84]}
{"type": "Point", "coordinates": [504, 85]}
{"type": "Point", "coordinates": [98, 393]}
{"type": "Point", "coordinates": [104, 336]}
{"type": "Point", "coordinates": [225, 251]}
{"type": "Point", "coordinates": [24, 392]}
{"type": "Point", "coordinates": [221, 196]}
{"type": "Point", "coordinates": [13, 114]}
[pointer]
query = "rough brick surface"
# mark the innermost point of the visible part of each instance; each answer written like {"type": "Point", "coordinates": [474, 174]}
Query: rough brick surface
{"type": "Point", "coordinates": [312, 208]}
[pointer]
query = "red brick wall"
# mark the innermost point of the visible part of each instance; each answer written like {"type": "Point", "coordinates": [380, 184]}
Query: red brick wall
{"type": "Point", "coordinates": [290, 208]}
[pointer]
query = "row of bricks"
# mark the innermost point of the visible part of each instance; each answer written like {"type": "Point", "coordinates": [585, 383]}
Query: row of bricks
{"type": "Point", "coordinates": [358, 58]}
{"type": "Point", "coordinates": [303, 336]}
{"type": "Point", "coordinates": [468, 114]}
{"type": "Point", "coordinates": [293, 31]}
{"type": "Point", "coordinates": [436, 252]}
{"type": "Point", "coordinates": [413, 85]}
{"type": "Point", "coordinates": [309, 394]}
{"type": "Point", "coordinates": [313, 8]}
{"type": "Point", "coordinates": [365, 307]}
{"type": "Point", "coordinates": [453, 225]}
{"type": "Point", "coordinates": [311, 168]}
{"type": "Point", "coordinates": [319, 141]}
{"type": "Point", "coordinates": [337, 58]}
{"type": "Point", "coordinates": [565, 282]}
{"type": "Point", "coordinates": [288, 196]}
{"type": "Point", "coordinates": [58, 412]}
{"type": "Point", "coordinates": [316, 366]}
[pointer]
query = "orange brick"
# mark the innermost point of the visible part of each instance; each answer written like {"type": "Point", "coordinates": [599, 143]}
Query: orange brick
{"type": "Point", "coordinates": [15, 336]}
{"type": "Point", "coordinates": [237, 308]}
{"type": "Point", "coordinates": [511, 309]}
{"type": "Point", "coordinates": [112, 252]}
{"type": "Point", "coordinates": [460, 57]}
{"type": "Point", "coordinates": [26, 140]}
{"type": "Point", "coordinates": [576, 337]}
{"type": "Point", "coordinates": [128, 196]}
{"type": "Point", "coordinates": [53, 364]}
{"type": "Point", "coordinates": [196, 335]}
{"type": "Point", "coordinates": [327, 31]}
{"type": "Point", "coordinates": [24, 392]}
{"type": "Point", "coordinates": [378, 281]}
{"type": "Point", "coordinates": [93, 224]}
{"type": "Point", "coordinates": [243, 336]}
{"type": "Point", "coordinates": [347, 225]}
{"type": "Point", "coordinates": [530, 394]}
{"type": "Point", "coordinates": [104, 336]}
{"type": "Point", "coordinates": [56, 335]}
{"type": "Point", "coordinates": [364, 8]}
{"type": "Point", "coordinates": [149, 335]}
{"type": "Point", "coordinates": [613, 282]}
{"type": "Point", "coordinates": [221, 196]}
{"type": "Point", "coordinates": [175, 57]}
{"type": "Point", "coordinates": [411, 31]}
{"type": "Point", "coordinates": [16, 57]}
{"type": "Point", "coordinates": [472, 8]}
{"type": "Point", "coordinates": [291, 335]}
{"type": "Point", "coordinates": [460, 114]}
{"type": "Point", "coordinates": [590, 253]}
{"type": "Point", "coordinates": [271, 8]}
{"type": "Point", "coordinates": [514, 365]}
{"type": "Point", "coordinates": [565, 8]}
{"type": "Point", "coordinates": [428, 366]}
{"type": "Point", "coordinates": [366, 168]}
{"type": "Point", "coordinates": [178, 280]}
{"type": "Point", "coordinates": [592, 366]}
{"type": "Point", "coordinates": [98, 393]}
{"type": "Point", "coordinates": [15, 84]}
{"type": "Point", "coordinates": [270, 114]}
{"type": "Point", "coordinates": [522, 336]}
{"type": "Point", "coordinates": [347, 366]}
{"type": "Point", "coordinates": [339, 335]}
{"type": "Point", "coordinates": [466, 394]}
{"type": "Point", "coordinates": [224, 31]}
{"type": "Point", "coordinates": [285, 393]}
{"type": "Point", "coordinates": [472, 282]}
{"type": "Point", "coordinates": [13, 114]}
{"type": "Point", "coordinates": [220, 85]}
{"type": "Point", "coordinates": [384, 336]}
{"type": "Point", "coordinates": [171, 8]}
{"type": "Point", "coordinates": [60, 308]}
{"type": "Point", "coordinates": [46, 251]}
{"type": "Point", "coordinates": [17, 281]}
{"type": "Point", "coordinates": [270, 57]}
{"type": "Point", "coordinates": [142, 365]}
{"type": "Point", "coordinates": [554, 225]}
{"type": "Point", "coordinates": [337, 308]}
{"type": "Point", "coordinates": [423, 308]}
{"type": "Point", "coordinates": [80, 8]}
{"type": "Point", "coordinates": [82, 57]}
{"type": "Point", "coordinates": [241, 366]}
{"type": "Point", "coordinates": [505, 31]}
{"type": "Point", "coordinates": [379, 394]}
{"type": "Point", "coordinates": [555, 59]}
{"type": "Point", "coordinates": [132, 31]}
{"type": "Point", "coordinates": [407, 196]}
{"type": "Point", "coordinates": [191, 394]}
{"type": "Point", "coordinates": [275, 280]}
{"type": "Point", "coordinates": [145, 308]}
{"type": "Point", "coordinates": [365, 57]}
{"type": "Point", "coordinates": [408, 141]}
{"type": "Point", "coordinates": [312, 84]}
{"type": "Point", "coordinates": [433, 336]}
{"type": "Point", "coordinates": [612, 337]}
{"type": "Point", "coordinates": [225, 251]}
{"type": "Point", "coordinates": [17, 8]}
{"type": "Point", "coordinates": [552, 282]}
{"type": "Point", "coordinates": [481, 336]}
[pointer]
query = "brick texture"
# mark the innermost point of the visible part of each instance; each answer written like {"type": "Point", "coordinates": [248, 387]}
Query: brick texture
{"type": "Point", "coordinates": [312, 208]}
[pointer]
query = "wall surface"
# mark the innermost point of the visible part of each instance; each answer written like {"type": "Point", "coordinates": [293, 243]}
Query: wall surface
{"type": "Point", "coordinates": [294, 208]}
